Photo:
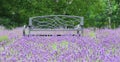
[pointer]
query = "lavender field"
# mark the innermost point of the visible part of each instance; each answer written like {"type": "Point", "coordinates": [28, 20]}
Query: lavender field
{"type": "Point", "coordinates": [100, 46]}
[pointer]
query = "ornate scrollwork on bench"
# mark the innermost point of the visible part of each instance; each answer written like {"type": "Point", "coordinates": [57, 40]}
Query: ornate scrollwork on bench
{"type": "Point", "coordinates": [55, 23]}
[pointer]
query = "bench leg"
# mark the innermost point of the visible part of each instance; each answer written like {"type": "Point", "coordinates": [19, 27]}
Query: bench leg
{"type": "Point", "coordinates": [29, 28]}
{"type": "Point", "coordinates": [78, 32]}
{"type": "Point", "coordinates": [23, 32]}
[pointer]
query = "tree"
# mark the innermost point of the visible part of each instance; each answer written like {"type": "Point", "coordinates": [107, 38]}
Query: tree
{"type": "Point", "coordinates": [95, 12]}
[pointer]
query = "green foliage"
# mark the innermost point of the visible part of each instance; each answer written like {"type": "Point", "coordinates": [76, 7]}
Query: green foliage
{"type": "Point", "coordinates": [92, 34]}
{"type": "Point", "coordinates": [2, 38]}
{"type": "Point", "coordinates": [54, 46]}
{"type": "Point", "coordinates": [96, 12]}
{"type": "Point", "coordinates": [64, 44]}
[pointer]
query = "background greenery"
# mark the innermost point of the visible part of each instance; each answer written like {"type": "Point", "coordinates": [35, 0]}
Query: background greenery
{"type": "Point", "coordinates": [97, 13]}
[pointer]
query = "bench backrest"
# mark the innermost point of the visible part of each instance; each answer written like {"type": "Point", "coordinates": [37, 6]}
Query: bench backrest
{"type": "Point", "coordinates": [55, 22]}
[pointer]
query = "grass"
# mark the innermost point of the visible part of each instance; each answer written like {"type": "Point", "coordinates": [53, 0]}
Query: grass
{"type": "Point", "coordinates": [54, 46]}
{"type": "Point", "coordinates": [64, 44]}
{"type": "Point", "coordinates": [92, 34]}
{"type": "Point", "coordinates": [3, 38]}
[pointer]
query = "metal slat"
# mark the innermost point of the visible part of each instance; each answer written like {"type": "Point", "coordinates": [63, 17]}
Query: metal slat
{"type": "Point", "coordinates": [53, 30]}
